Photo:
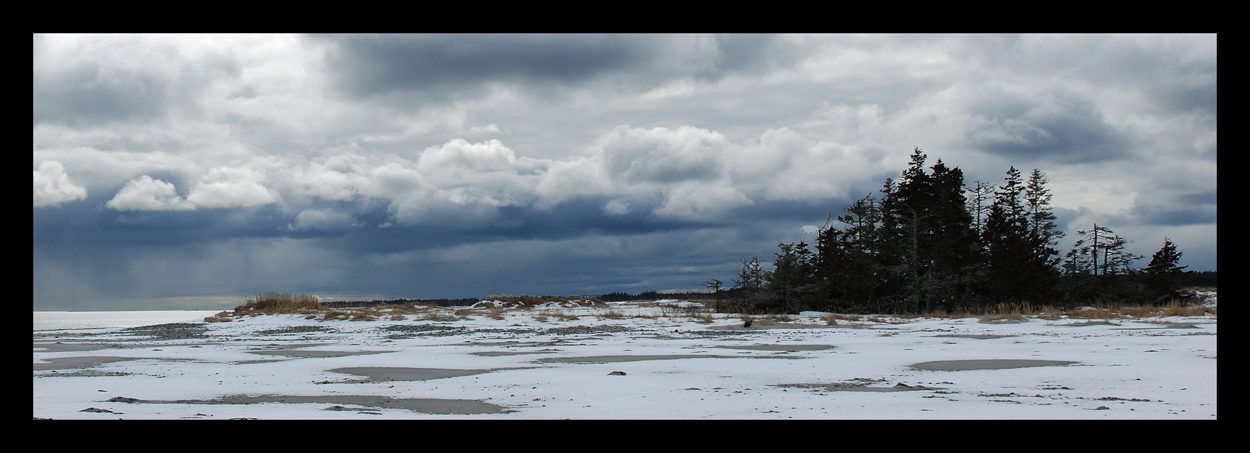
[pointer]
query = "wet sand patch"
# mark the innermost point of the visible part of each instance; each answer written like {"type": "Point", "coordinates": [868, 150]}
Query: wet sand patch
{"type": "Point", "coordinates": [758, 326]}
{"type": "Point", "coordinates": [1002, 320]}
{"type": "Point", "coordinates": [642, 357]}
{"type": "Point", "coordinates": [73, 347]}
{"type": "Point", "coordinates": [384, 374]}
{"type": "Point", "coordinates": [779, 347]}
{"type": "Point", "coordinates": [508, 353]}
{"type": "Point", "coordinates": [423, 405]}
{"type": "Point", "coordinates": [859, 385]}
{"type": "Point", "coordinates": [287, 346]}
{"type": "Point", "coordinates": [67, 363]}
{"type": "Point", "coordinates": [304, 354]}
{"type": "Point", "coordinates": [987, 364]}
{"type": "Point", "coordinates": [1163, 325]}
{"type": "Point", "coordinates": [1092, 323]}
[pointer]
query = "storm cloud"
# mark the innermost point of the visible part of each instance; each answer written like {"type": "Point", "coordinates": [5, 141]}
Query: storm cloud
{"type": "Point", "coordinates": [190, 166]}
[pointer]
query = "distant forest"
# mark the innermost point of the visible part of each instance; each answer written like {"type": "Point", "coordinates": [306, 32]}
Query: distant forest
{"type": "Point", "coordinates": [928, 241]}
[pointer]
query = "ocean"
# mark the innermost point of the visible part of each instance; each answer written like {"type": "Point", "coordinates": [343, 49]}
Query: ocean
{"type": "Point", "coordinates": [62, 320]}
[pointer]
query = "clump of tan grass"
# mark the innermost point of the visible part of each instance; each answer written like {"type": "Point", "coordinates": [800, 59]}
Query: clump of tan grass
{"type": "Point", "coordinates": [1196, 310]}
{"type": "Point", "coordinates": [365, 314]}
{"type": "Point", "coordinates": [1173, 308]}
{"type": "Point", "coordinates": [774, 319]}
{"type": "Point", "coordinates": [1012, 311]}
{"type": "Point", "coordinates": [1050, 312]}
{"type": "Point", "coordinates": [411, 308]}
{"type": "Point", "coordinates": [831, 319]}
{"type": "Point", "coordinates": [440, 315]}
{"type": "Point", "coordinates": [271, 302]}
{"type": "Point", "coordinates": [219, 317]}
{"type": "Point", "coordinates": [563, 315]}
{"type": "Point", "coordinates": [683, 310]}
{"type": "Point", "coordinates": [335, 314]}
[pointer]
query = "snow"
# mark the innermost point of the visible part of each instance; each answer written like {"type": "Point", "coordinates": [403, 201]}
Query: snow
{"type": "Point", "coordinates": [567, 362]}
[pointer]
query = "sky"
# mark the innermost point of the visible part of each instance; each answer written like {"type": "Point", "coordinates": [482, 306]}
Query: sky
{"type": "Point", "coordinates": [189, 171]}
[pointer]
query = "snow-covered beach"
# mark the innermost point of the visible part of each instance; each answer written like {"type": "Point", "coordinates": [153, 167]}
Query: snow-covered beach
{"type": "Point", "coordinates": [634, 360]}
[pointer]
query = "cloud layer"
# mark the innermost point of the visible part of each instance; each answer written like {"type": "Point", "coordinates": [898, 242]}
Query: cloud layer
{"type": "Point", "coordinates": [613, 162]}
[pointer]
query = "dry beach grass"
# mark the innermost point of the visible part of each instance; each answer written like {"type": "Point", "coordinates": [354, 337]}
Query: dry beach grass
{"type": "Point", "coordinates": [561, 308]}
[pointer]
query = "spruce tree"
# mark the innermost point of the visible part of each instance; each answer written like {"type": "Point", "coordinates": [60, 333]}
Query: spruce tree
{"type": "Point", "coordinates": [1013, 272]}
{"type": "Point", "coordinates": [926, 236]}
{"type": "Point", "coordinates": [846, 260]}
{"type": "Point", "coordinates": [981, 192]}
{"type": "Point", "coordinates": [792, 280]}
{"type": "Point", "coordinates": [1163, 274]}
{"type": "Point", "coordinates": [750, 276]}
{"type": "Point", "coordinates": [1016, 270]}
{"type": "Point", "coordinates": [910, 230]}
{"type": "Point", "coordinates": [953, 250]}
{"type": "Point", "coordinates": [1008, 197]}
{"type": "Point", "coordinates": [889, 238]}
{"type": "Point", "coordinates": [1041, 220]}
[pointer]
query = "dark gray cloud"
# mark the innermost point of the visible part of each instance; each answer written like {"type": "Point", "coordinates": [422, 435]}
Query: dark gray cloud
{"type": "Point", "coordinates": [1063, 128]}
{"type": "Point", "coordinates": [1186, 209]}
{"type": "Point", "coordinates": [442, 65]}
{"type": "Point", "coordinates": [1201, 215]}
{"type": "Point", "coordinates": [1198, 198]}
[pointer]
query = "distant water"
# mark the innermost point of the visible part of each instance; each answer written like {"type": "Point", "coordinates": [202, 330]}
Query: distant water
{"type": "Point", "coordinates": [60, 320]}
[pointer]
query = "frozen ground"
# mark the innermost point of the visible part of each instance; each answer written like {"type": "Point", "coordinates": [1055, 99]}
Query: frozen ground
{"type": "Point", "coordinates": [632, 361]}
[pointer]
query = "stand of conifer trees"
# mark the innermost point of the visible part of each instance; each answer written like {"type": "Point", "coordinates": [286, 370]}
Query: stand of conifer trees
{"type": "Point", "coordinates": [923, 245]}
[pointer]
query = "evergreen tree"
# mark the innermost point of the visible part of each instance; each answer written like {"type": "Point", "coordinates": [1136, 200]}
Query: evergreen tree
{"type": "Point", "coordinates": [750, 275]}
{"type": "Point", "coordinates": [981, 192]}
{"type": "Point", "coordinates": [953, 250]}
{"type": "Point", "coordinates": [1008, 197]}
{"type": "Point", "coordinates": [926, 236]}
{"type": "Point", "coordinates": [846, 259]}
{"type": "Point", "coordinates": [906, 229]}
{"type": "Point", "coordinates": [1018, 267]}
{"type": "Point", "coordinates": [889, 240]}
{"type": "Point", "coordinates": [1014, 274]}
{"type": "Point", "coordinates": [1041, 220]}
{"type": "Point", "coordinates": [792, 281]}
{"type": "Point", "coordinates": [1164, 275]}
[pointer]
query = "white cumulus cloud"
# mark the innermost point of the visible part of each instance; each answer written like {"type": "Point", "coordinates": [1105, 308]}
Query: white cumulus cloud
{"type": "Point", "coordinates": [662, 155]}
{"type": "Point", "coordinates": [147, 194]}
{"type": "Point", "coordinates": [700, 201]}
{"type": "Point", "coordinates": [53, 187]}
{"type": "Point", "coordinates": [232, 187]}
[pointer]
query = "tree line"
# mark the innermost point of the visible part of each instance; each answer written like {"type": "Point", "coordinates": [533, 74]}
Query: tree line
{"type": "Point", "coordinates": [928, 241]}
